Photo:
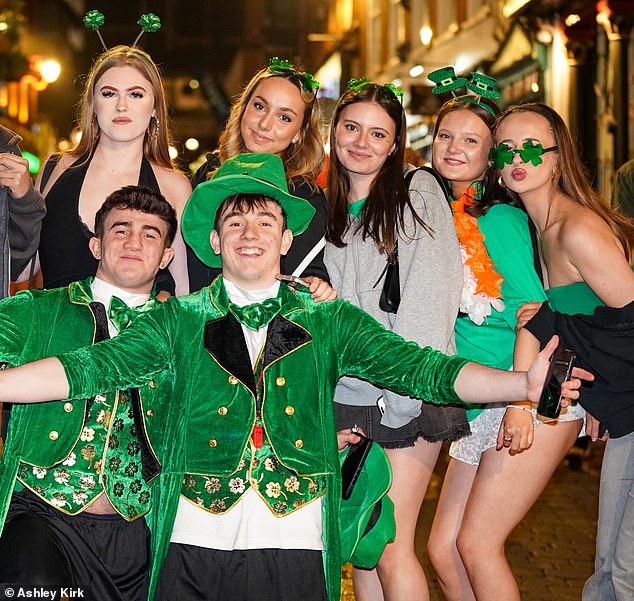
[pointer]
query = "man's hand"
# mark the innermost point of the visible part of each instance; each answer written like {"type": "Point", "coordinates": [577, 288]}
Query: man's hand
{"type": "Point", "coordinates": [536, 376]}
{"type": "Point", "coordinates": [593, 426]}
{"type": "Point", "coordinates": [14, 174]}
{"type": "Point", "coordinates": [525, 313]}
{"type": "Point", "coordinates": [320, 290]}
{"type": "Point", "coordinates": [347, 437]}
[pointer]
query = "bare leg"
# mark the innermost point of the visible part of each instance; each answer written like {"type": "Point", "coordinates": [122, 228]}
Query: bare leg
{"type": "Point", "coordinates": [441, 545]}
{"type": "Point", "coordinates": [505, 488]}
{"type": "Point", "coordinates": [402, 577]}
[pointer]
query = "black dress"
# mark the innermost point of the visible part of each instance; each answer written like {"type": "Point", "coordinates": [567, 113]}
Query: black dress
{"type": "Point", "coordinates": [64, 253]}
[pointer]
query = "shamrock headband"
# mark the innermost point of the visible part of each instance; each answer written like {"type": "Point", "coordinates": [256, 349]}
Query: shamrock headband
{"type": "Point", "coordinates": [390, 90]}
{"type": "Point", "coordinates": [481, 85]}
{"type": "Point", "coordinates": [503, 154]}
{"type": "Point", "coordinates": [283, 67]}
{"type": "Point", "coordinates": [94, 20]}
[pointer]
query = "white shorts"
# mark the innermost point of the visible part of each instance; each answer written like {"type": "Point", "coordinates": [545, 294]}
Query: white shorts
{"type": "Point", "coordinates": [485, 428]}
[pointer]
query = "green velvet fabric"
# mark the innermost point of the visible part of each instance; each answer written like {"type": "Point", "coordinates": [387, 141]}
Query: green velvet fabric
{"type": "Point", "coordinates": [309, 346]}
{"type": "Point", "coordinates": [37, 324]}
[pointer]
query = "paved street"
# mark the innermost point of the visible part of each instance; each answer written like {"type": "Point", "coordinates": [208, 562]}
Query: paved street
{"type": "Point", "coordinates": [552, 550]}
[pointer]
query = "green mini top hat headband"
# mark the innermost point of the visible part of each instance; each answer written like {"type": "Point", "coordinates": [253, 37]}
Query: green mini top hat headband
{"type": "Point", "coordinates": [390, 90]}
{"type": "Point", "coordinates": [481, 85]}
{"type": "Point", "coordinates": [283, 67]}
{"type": "Point", "coordinates": [148, 22]}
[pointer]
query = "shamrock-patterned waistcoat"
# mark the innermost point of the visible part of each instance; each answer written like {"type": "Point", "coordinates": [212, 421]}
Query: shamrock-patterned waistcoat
{"type": "Point", "coordinates": [66, 450]}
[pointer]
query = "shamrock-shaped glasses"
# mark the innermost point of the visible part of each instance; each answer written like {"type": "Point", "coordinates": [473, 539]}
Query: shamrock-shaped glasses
{"type": "Point", "coordinates": [503, 154]}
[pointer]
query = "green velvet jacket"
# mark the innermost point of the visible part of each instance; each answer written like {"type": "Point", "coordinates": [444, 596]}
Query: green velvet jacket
{"type": "Point", "coordinates": [40, 323]}
{"type": "Point", "coordinates": [201, 346]}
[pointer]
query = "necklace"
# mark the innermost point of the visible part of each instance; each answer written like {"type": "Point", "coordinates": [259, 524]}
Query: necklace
{"type": "Point", "coordinates": [481, 288]}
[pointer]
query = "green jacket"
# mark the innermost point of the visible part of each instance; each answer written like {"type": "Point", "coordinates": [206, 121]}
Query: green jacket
{"type": "Point", "coordinates": [202, 348]}
{"type": "Point", "coordinates": [41, 323]}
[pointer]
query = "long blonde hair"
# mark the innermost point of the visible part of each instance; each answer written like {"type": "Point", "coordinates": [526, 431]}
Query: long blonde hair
{"type": "Point", "coordinates": [157, 138]}
{"type": "Point", "coordinates": [303, 159]}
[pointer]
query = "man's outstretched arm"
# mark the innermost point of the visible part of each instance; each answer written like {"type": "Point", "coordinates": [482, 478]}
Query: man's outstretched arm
{"type": "Point", "coordinates": [36, 382]}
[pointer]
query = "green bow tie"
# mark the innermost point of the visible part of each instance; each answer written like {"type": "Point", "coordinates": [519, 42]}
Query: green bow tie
{"type": "Point", "coordinates": [257, 315]}
{"type": "Point", "coordinates": [121, 315]}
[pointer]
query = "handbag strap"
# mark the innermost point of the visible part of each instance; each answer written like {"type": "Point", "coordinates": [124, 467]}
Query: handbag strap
{"type": "Point", "coordinates": [409, 176]}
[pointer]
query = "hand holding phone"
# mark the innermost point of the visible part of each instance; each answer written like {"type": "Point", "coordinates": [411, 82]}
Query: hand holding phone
{"type": "Point", "coordinates": [559, 371]}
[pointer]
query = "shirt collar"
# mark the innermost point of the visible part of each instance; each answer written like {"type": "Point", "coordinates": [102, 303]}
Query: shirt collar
{"type": "Point", "coordinates": [241, 297]}
{"type": "Point", "coordinates": [102, 292]}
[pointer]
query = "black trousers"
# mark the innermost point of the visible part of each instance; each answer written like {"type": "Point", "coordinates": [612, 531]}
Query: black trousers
{"type": "Point", "coordinates": [193, 573]}
{"type": "Point", "coordinates": [103, 554]}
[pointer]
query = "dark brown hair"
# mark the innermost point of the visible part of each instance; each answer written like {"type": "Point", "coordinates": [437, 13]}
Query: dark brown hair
{"type": "Point", "coordinates": [245, 203]}
{"type": "Point", "coordinates": [138, 199]}
{"type": "Point", "coordinates": [384, 209]}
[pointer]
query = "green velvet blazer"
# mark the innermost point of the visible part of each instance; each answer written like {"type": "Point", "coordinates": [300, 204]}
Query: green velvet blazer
{"type": "Point", "coordinates": [210, 390]}
{"type": "Point", "coordinates": [40, 323]}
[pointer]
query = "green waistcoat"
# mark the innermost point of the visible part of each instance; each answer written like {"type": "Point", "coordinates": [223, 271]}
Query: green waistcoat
{"type": "Point", "coordinates": [308, 348]}
{"type": "Point", "coordinates": [40, 323]}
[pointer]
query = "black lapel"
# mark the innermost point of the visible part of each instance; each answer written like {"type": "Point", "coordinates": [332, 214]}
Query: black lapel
{"type": "Point", "coordinates": [150, 467]}
{"type": "Point", "coordinates": [282, 338]}
{"type": "Point", "coordinates": [225, 342]}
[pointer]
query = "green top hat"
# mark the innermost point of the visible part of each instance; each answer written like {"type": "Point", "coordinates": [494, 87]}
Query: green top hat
{"type": "Point", "coordinates": [248, 173]}
{"type": "Point", "coordinates": [366, 519]}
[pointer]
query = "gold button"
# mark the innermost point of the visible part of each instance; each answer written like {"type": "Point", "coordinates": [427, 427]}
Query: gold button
{"type": "Point", "coordinates": [280, 381]}
{"type": "Point", "coordinates": [222, 410]}
{"type": "Point", "coordinates": [149, 413]}
{"type": "Point", "coordinates": [299, 443]}
{"type": "Point", "coordinates": [290, 410]}
{"type": "Point", "coordinates": [152, 384]}
{"type": "Point", "coordinates": [53, 435]}
{"type": "Point", "coordinates": [233, 380]}
{"type": "Point", "coordinates": [68, 407]}
{"type": "Point", "coordinates": [212, 442]}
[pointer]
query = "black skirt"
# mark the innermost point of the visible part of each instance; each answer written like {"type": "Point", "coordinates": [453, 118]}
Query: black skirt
{"type": "Point", "coordinates": [435, 423]}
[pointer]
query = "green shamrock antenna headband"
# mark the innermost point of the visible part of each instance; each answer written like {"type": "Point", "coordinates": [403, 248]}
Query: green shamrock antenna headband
{"type": "Point", "coordinates": [283, 67]}
{"type": "Point", "coordinates": [95, 19]}
{"type": "Point", "coordinates": [390, 90]}
{"type": "Point", "coordinates": [481, 85]}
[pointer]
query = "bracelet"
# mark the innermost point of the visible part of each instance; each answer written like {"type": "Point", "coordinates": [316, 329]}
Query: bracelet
{"type": "Point", "coordinates": [522, 407]}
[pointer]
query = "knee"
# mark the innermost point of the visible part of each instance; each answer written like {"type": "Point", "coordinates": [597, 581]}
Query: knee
{"type": "Point", "coordinates": [471, 547]}
{"type": "Point", "coordinates": [441, 550]}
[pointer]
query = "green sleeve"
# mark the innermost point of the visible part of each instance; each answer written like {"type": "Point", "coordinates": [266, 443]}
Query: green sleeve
{"type": "Point", "coordinates": [130, 360]}
{"type": "Point", "coordinates": [365, 349]}
{"type": "Point", "coordinates": [17, 320]}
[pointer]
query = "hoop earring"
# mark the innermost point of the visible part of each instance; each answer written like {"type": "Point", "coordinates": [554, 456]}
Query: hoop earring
{"type": "Point", "coordinates": [501, 182]}
{"type": "Point", "coordinates": [153, 128]}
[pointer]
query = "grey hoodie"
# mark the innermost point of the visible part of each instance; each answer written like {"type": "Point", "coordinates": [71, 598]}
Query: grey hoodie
{"type": "Point", "coordinates": [430, 271]}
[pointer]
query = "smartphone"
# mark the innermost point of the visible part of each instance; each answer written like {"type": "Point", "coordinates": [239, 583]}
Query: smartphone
{"type": "Point", "coordinates": [559, 371]}
{"type": "Point", "coordinates": [353, 463]}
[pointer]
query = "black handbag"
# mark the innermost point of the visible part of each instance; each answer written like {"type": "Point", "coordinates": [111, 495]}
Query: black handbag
{"type": "Point", "coordinates": [391, 293]}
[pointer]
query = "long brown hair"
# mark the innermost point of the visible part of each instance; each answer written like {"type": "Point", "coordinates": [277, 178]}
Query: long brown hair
{"type": "Point", "coordinates": [383, 213]}
{"type": "Point", "coordinates": [493, 193]}
{"type": "Point", "coordinates": [571, 176]}
{"type": "Point", "coordinates": [303, 159]}
{"type": "Point", "coordinates": [157, 137]}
